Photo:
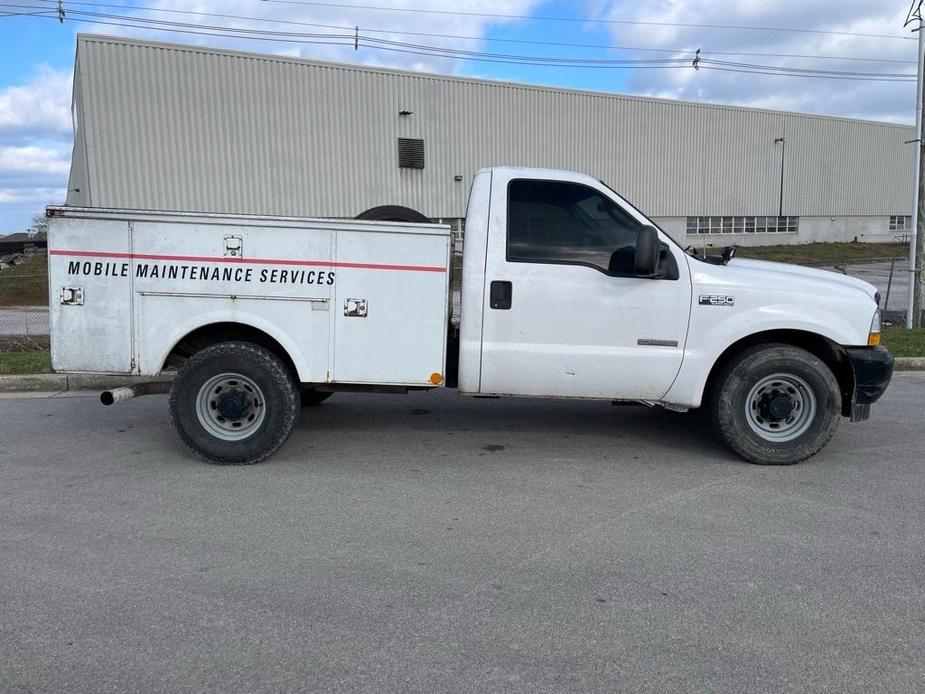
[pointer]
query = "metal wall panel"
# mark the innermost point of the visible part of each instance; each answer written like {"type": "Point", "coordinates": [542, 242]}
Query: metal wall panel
{"type": "Point", "coordinates": [78, 185]}
{"type": "Point", "coordinates": [166, 126]}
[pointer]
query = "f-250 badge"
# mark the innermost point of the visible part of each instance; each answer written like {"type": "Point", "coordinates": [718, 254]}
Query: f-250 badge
{"type": "Point", "coordinates": [717, 300]}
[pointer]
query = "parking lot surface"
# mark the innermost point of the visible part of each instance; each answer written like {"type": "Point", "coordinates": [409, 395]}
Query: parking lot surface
{"type": "Point", "coordinates": [438, 543]}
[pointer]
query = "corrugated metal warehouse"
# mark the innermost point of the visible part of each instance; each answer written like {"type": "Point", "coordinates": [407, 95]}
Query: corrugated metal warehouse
{"type": "Point", "coordinates": [168, 126]}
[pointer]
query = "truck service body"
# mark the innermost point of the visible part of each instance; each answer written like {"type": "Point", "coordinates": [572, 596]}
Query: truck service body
{"type": "Point", "coordinates": [567, 290]}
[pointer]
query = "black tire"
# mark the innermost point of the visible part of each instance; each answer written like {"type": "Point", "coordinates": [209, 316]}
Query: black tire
{"type": "Point", "coordinates": [270, 379]}
{"type": "Point", "coordinates": [739, 412]}
{"type": "Point", "coordinates": [313, 398]}
{"type": "Point", "coordinates": [393, 213]}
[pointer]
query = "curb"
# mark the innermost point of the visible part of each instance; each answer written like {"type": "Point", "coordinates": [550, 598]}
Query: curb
{"type": "Point", "coordinates": [909, 364]}
{"type": "Point", "coordinates": [59, 383]}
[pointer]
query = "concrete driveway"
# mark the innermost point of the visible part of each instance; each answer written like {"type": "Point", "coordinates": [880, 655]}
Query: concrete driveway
{"type": "Point", "coordinates": [436, 543]}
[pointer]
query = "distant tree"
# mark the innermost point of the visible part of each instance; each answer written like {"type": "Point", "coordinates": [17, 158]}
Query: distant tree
{"type": "Point", "coordinates": [38, 228]}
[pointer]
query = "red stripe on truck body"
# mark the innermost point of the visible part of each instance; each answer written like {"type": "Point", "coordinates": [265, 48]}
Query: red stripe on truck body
{"type": "Point", "coordinates": [246, 261]}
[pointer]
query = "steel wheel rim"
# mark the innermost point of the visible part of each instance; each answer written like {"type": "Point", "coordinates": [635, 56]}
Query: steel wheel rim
{"type": "Point", "coordinates": [764, 407]}
{"type": "Point", "coordinates": [230, 406]}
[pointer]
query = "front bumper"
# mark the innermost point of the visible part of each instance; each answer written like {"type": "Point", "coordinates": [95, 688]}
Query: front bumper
{"type": "Point", "coordinates": [873, 369]}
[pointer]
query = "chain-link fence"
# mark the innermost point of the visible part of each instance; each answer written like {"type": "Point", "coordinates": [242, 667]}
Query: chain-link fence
{"type": "Point", "coordinates": [889, 276]}
{"type": "Point", "coordinates": [24, 301]}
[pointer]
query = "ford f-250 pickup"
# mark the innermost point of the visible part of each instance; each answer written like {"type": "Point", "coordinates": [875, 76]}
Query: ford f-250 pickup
{"type": "Point", "coordinates": [567, 291]}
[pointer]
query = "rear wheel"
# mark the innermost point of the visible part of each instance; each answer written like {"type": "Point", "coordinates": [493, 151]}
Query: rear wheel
{"type": "Point", "coordinates": [776, 404]}
{"type": "Point", "coordinates": [234, 403]}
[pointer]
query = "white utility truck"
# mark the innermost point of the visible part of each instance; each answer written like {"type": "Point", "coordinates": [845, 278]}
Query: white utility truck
{"type": "Point", "coordinates": [568, 291]}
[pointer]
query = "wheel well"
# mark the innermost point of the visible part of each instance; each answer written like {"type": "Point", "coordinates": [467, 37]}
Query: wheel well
{"type": "Point", "coordinates": [393, 213]}
{"type": "Point", "coordinates": [831, 353]}
{"type": "Point", "coordinates": [223, 332]}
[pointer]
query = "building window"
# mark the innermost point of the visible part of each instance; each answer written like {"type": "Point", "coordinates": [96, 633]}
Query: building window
{"type": "Point", "coordinates": [745, 225]}
{"type": "Point", "coordinates": [899, 222]}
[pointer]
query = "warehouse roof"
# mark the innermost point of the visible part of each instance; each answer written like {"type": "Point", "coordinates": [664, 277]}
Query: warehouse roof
{"type": "Point", "coordinates": [456, 78]}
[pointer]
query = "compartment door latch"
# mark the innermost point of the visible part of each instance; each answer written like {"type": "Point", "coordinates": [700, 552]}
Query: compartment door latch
{"type": "Point", "coordinates": [355, 308]}
{"type": "Point", "coordinates": [234, 247]}
{"type": "Point", "coordinates": [72, 296]}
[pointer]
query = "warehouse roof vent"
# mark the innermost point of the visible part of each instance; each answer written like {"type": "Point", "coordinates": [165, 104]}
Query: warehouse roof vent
{"type": "Point", "coordinates": [410, 153]}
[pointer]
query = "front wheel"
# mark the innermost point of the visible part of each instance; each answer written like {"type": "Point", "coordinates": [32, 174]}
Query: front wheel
{"type": "Point", "coordinates": [776, 404]}
{"type": "Point", "coordinates": [234, 403]}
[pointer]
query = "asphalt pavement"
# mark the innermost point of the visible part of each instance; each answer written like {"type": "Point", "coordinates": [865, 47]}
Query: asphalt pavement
{"type": "Point", "coordinates": [436, 543]}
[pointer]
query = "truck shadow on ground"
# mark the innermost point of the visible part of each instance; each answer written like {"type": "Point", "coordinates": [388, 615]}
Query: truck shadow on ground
{"type": "Point", "coordinates": [428, 423]}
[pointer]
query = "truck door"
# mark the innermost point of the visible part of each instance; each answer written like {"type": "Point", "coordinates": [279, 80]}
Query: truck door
{"type": "Point", "coordinates": [563, 313]}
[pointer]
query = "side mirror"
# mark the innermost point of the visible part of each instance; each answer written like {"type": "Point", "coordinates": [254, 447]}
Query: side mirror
{"type": "Point", "coordinates": [645, 262]}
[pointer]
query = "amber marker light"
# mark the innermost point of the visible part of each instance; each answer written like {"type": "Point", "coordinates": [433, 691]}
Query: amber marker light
{"type": "Point", "coordinates": [873, 336]}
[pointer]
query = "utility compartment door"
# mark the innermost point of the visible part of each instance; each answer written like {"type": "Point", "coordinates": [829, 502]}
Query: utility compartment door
{"type": "Point", "coordinates": [391, 307]}
{"type": "Point", "coordinates": [276, 279]}
{"type": "Point", "coordinates": [89, 272]}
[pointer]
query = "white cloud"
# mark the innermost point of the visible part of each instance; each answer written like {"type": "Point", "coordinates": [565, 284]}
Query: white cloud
{"type": "Point", "coordinates": [35, 145]}
{"type": "Point", "coordinates": [32, 174]}
{"type": "Point", "coordinates": [40, 107]}
{"type": "Point", "coordinates": [336, 24]}
{"type": "Point", "coordinates": [34, 198]}
{"type": "Point", "coordinates": [872, 99]}
{"type": "Point", "coordinates": [34, 159]}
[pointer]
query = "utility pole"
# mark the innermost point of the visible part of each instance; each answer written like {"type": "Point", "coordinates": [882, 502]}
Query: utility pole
{"type": "Point", "coordinates": [917, 239]}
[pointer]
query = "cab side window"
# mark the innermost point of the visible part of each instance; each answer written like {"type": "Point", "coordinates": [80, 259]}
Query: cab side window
{"type": "Point", "coordinates": [568, 223]}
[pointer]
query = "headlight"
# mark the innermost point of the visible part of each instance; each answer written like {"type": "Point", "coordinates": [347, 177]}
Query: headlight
{"type": "Point", "coordinates": [873, 337]}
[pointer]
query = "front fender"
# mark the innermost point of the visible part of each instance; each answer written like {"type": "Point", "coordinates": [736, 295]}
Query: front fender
{"type": "Point", "coordinates": [712, 332]}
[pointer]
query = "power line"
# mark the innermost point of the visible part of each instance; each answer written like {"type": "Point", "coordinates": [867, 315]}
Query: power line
{"type": "Point", "coordinates": [267, 35]}
{"type": "Point", "coordinates": [455, 52]}
{"type": "Point", "coordinates": [914, 13]}
{"type": "Point", "coordinates": [673, 51]}
{"type": "Point", "coordinates": [784, 74]}
{"type": "Point", "coordinates": [4, 15]}
{"type": "Point", "coordinates": [369, 42]}
{"type": "Point", "coordinates": [400, 32]}
{"type": "Point", "coordinates": [495, 15]}
{"type": "Point", "coordinates": [796, 70]}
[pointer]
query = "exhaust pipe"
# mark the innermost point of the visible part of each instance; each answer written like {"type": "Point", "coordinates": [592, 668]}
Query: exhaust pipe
{"type": "Point", "coordinates": [110, 397]}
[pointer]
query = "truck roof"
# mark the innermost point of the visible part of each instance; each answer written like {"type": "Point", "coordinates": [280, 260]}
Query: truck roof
{"type": "Point", "coordinates": [252, 220]}
{"type": "Point", "coordinates": [534, 172]}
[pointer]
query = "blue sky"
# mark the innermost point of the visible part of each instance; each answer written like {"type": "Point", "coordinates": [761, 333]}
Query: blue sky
{"type": "Point", "coordinates": [37, 57]}
{"type": "Point", "coordinates": [20, 37]}
{"type": "Point", "coordinates": [602, 80]}
{"type": "Point", "coordinates": [28, 42]}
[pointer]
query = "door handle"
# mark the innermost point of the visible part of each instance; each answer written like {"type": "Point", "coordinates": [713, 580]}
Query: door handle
{"type": "Point", "coordinates": [500, 294]}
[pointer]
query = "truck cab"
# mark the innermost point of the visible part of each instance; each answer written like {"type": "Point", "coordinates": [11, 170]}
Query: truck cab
{"type": "Point", "coordinates": [570, 291]}
{"type": "Point", "coordinates": [553, 303]}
